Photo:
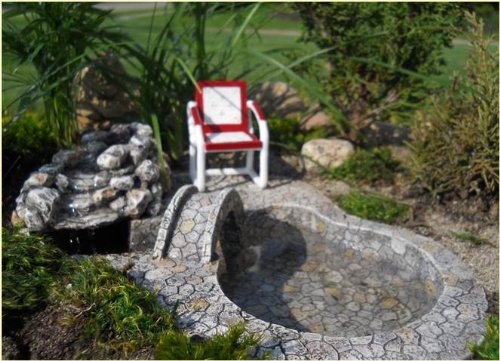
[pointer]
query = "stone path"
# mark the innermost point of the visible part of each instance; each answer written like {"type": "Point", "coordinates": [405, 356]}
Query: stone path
{"type": "Point", "coordinates": [311, 281]}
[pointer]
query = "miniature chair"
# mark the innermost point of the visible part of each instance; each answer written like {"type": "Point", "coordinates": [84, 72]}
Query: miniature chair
{"type": "Point", "coordinates": [219, 121]}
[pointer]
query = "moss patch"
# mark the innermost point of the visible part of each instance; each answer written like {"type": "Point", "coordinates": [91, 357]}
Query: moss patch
{"type": "Point", "coordinates": [373, 207]}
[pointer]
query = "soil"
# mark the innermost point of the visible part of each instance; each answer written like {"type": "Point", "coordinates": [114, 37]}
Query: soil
{"type": "Point", "coordinates": [57, 331]}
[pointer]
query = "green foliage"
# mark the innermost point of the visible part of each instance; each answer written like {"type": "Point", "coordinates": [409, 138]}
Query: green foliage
{"type": "Point", "coordinates": [468, 237]}
{"type": "Point", "coordinates": [374, 207]}
{"type": "Point", "coordinates": [378, 56]}
{"type": "Point", "coordinates": [27, 137]}
{"type": "Point", "coordinates": [367, 166]}
{"type": "Point", "coordinates": [288, 134]}
{"type": "Point", "coordinates": [58, 39]}
{"type": "Point", "coordinates": [230, 346]}
{"type": "Point", "coordinates": [456, 142]}
{"type": "Point", "coordinates": [29, 265]}
{"type": "Point", "coordinates": [121, 317]}
{"type": "Point", "coordinates": [174, 58]}
{"type": "Point", "coordinates": [488, 348]}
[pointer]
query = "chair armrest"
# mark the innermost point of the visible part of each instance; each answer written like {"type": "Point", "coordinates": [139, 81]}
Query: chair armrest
{"type": "Point", "coordinates": [255, 108]}
{"type": "Point", "coordinates": [194, 112]}
{"type": "Point", "coordinates": [261, 122]}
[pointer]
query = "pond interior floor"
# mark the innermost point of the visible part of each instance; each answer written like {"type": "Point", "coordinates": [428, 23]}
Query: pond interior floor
{"type": "Point", "coordinates": [313, 287]}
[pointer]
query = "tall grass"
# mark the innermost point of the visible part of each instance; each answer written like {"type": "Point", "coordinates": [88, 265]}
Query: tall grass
{"type": "Point", "coordinates": [58, 39]}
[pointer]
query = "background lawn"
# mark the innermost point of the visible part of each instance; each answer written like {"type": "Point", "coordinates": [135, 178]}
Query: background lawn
{"type": "Point", "coordinates": [278, 28]}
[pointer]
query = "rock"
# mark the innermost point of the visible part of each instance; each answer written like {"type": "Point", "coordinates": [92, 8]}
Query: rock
{"type": "Point", "coordinates": [124, 183]}
{"type": "Point", "coordinates": [143, 142]}
{"type": "Point", "coordinates": [147, 171]}
{"type": "Point", "coordinates": [98, 136]}
{"type": "Point", "coordinates": [15, 220]}
{"type": "Point", "coordinates": [279, 99]}
{"type": "Point", "coordinates": [99, 101]}
{"type": "Point", "coordinates": [62, 182]}
{"type": "Point", "coordinates": [137, 154]}
{"type": "Point", "coordinates": [101, 179]}
{"type": "Point", "coordinates": [44, 200]}
{"type": "Point", "coordinates": [113, 157]}
{"type": "Point", "coordinates": [153, 208]}
{"type": "Point", "coordinates": [118, 205]}
{"type": "Point", "coordinates": [80, 203]}
{"type": "Point", "coordinates": [31, 217]}
{"type": "Point", "coordinates": [137, 202]}
{"type": "Point", "coordinates": [51, 168]}
{"type": "Point", "coordinates": [67, 158]}
{"type": "Point", "coordinates": [40, 179]}
{"type": "Point", "coordinates": [335, 188]}
{"type": "Point", "coordinates": [142, 130]}
{"type": "Point", "coordinates": [95, 147]}
{"type": "Point", "coordinates": [104, 195]}
{"type": "Point", "coordinates": [317, 120]}
{"type": "Point", "coordinates": [157, 191]}
{"type": "Point", "coordinates": [328, 153]}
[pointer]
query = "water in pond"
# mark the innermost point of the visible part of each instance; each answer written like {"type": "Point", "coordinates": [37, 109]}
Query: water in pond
{"type": "Point", "coordinates": [305, 282]}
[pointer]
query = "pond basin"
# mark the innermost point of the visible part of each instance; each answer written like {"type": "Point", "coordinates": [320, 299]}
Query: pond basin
{"type": "Point", "coordinates": [296, 269]}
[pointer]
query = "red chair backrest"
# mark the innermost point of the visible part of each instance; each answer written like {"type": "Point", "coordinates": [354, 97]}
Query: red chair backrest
{"type": "Point", "coordinates": [223, 105]}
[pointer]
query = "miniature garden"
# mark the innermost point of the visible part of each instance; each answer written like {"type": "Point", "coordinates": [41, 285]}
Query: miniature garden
{"type": "Point", "coordinates": [366, 226]}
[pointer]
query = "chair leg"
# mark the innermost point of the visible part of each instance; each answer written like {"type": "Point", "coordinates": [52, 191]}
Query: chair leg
{"type": "Point", "coordinates": [263, 167]}
{"type": "Point", "coordinates": [200, 168]}
{"type": "Point", "coordinates": [192, 163]}
{"type": "Point", "coordinates": [249, 161]}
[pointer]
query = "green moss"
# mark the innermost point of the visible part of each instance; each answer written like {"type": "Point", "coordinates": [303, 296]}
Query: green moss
{"type": "Point", "coordinates": [29, 265]}
{"type": "Point", "coordinates": [121, 316]}
{"type": "Point", "coordinates": [374, 207]}
{"type": "Point", "coordinates": [231, 346]}
{"type": "Point", "coordinates": [488, 348]}
{"type": "Point", "coordinates": [468, 237]}
{"type": "Point", "coordinates": [367, 166]}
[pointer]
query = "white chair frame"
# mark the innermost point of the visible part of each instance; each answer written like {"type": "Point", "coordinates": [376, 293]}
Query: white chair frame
{"type": "Point", "coordinates": [197, 151]}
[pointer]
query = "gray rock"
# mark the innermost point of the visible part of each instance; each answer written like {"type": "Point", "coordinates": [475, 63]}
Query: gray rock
{"type": "Point", "coordinates": [118, 205]}
{"type": "Point", "coordinates": [142, 130]}
{"type": "Point", "coordinates": [137, 154]}
{"type": "Point", "coordinates": [68, 158]}
{"type": "Point", "coordinates": [44, 200]}
{"type": "Point", "coordinates": [104, 195]}
{"type": "Point", "coordinates": [79, 203]}
{"type": "Point", "coordinates": [147, 171]}
{"type": "Point", "coordinates": [157, 191]}
{"type": "Point", "coordinates": [144, 142]}
{"type": "Point", "coordinates": [120, 132]}
{"type": "Point", "coordinates": [137, 202]}
{"type": "Point", "coordinates": [62, 182]}
{"type": "Point", "coordinates": [31, 217]}
{"type": "Point", "coordinates": [101, 179]}
{"type": "Point", "coordinates": [124, 183]}
{"type": "Point", "coordinates": [153, 208]}
{"type": "Point", "coordinates": [40, 179]}
{"type": "Point", "coordinates": [95, 147]}
{"type": "Point", "coordinates": [113, 157]}
{"type": "Point", "coordinates": [328, 153]}
{"type": "Point", "coordinates": [98, 136]}
{"type": "Point", "coordinates": [51, 168]}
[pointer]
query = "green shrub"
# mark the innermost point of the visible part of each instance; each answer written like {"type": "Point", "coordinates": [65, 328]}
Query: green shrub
{"type": "Point", "coordinates": [29, 266]}
{"type": "Point", "coordinates": [121, 316]}
{"type": "Point", "coordinates": [488, 348]}
{"type": "Point", "coordinates": [374, 207]}
{"type": "Point", "coordinates": [287, 133]}
{"type": "Point", "coordinates": [27, 137]}
{"type": "Point", "coordinates": [456, 142]}
{"type": "Point", "coordinates": [373, 51]}
{"type": "Point", "coordinates": [367, 166]}
{"type": "Point", "coordinates": [230, 346]}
